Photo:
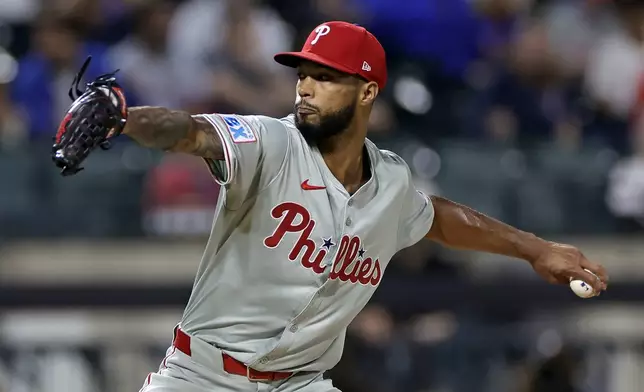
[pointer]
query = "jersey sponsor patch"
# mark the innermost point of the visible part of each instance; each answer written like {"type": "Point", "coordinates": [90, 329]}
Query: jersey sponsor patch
{"type": "Point", "coordinates": [238, 131]}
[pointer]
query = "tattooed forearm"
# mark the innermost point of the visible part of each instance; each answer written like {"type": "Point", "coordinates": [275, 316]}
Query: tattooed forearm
{"type": "Point", "coordinates": [173, 130]}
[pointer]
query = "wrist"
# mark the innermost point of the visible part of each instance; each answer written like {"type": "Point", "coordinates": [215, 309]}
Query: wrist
{"type": "Point", "coordinates": [530, 247]}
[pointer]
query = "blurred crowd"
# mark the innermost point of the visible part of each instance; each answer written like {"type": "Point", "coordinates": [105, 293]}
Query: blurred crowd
{"type": "Point", "coordinates": [502, 70]}
{"type": "Point", "coordinates": [497, 74]}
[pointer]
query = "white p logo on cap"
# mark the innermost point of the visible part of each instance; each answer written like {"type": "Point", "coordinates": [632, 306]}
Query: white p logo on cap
{"type": "Point", "coordinates": [321, 31]}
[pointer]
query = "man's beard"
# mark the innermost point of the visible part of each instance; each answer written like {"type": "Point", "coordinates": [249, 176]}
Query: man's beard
{"type": "Point", "coordinates": [328, 126]}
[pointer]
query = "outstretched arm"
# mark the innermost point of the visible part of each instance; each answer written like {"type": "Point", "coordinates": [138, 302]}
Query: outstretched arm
{"type": "Point", "coordinates": [173, 131]}
{"type": "Point", "coordinates": [461, 227]}
{"type": "Point", "coordinates": [457, 226]}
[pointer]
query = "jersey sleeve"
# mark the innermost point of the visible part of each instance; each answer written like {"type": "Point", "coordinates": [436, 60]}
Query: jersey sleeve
{"type": "Point", "coordinates": [255, 148]}
{"type": "Point", "coordinates": [417, 215]}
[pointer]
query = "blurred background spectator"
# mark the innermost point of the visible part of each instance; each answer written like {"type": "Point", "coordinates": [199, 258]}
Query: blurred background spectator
{"type": "Point", "coordinates": [143, 57]}
{"type": "Point", "coordinates": [224, 51]}
{"type": "Point", "coordinates": [531, 111]}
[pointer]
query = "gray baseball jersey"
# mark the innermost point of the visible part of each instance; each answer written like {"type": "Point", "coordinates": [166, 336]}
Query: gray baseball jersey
{"type": "Point", "coordinates": [293, 257]}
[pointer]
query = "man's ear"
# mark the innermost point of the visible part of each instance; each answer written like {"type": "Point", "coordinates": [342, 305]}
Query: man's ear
{"type": "Point", "coordinates": [368, 93]}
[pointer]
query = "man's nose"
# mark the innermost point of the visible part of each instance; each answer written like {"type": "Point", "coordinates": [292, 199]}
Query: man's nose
{"type": "Point", "coordinates": [305, 87]}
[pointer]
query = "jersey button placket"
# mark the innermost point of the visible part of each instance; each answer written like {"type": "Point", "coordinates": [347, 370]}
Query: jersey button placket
{"type": "Point", "coordinates": [347, 221]}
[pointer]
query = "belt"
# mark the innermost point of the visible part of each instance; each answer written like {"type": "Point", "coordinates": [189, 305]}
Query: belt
{"type": "Point", "coordinates": [182, 343]}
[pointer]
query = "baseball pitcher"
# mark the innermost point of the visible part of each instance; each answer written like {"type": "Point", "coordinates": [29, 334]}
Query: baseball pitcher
{"type": "Point", "coordinates": [310, 214]}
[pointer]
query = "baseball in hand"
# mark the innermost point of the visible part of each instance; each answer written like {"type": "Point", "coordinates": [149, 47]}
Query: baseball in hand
{"type": "Point", "coordinates": [581, 288]}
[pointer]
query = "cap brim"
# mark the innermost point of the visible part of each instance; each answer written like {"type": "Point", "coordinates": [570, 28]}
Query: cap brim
{"type": "Point", "coordinates": [293, 60]}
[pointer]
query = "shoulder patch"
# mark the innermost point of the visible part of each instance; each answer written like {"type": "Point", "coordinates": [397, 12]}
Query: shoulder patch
{"type": "Point", "coordinates": [239, 132]}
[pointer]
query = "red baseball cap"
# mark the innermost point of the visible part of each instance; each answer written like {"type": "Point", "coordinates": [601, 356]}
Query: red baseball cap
{"type": "Point", "coordinates": [345, 47]}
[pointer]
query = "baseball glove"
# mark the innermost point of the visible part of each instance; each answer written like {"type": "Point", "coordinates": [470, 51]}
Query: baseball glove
{"type": "Point", "coordinates": [96, 115]}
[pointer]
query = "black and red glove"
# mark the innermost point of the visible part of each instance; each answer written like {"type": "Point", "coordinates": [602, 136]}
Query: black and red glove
{"type": "Point", "coordinates": [96, 115]}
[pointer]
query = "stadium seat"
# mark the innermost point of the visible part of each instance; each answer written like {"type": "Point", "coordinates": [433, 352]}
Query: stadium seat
{"type": "Point", "coordinates": [19, 200]}
{"type": "Point", "coordinates": [102, 200]}
{"type": "Point", "coordinates": [577, 179]}
{"type": "Point", "coordinates": [481, 178]}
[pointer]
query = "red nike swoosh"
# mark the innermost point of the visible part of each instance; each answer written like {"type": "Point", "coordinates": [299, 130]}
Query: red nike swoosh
{"type": "Point", "coordinates": [308, 187]}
